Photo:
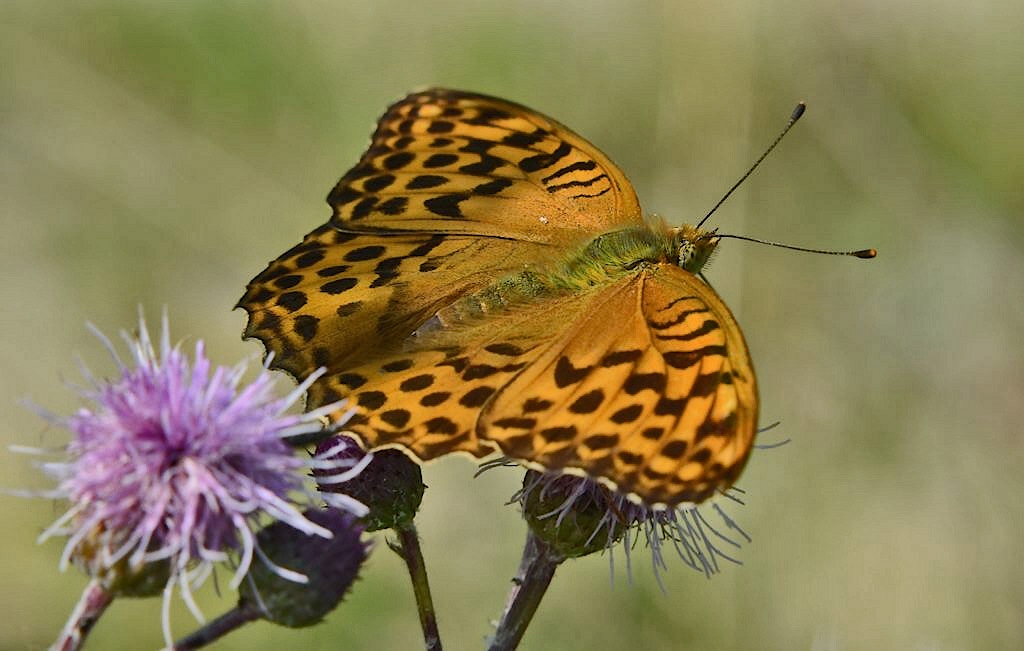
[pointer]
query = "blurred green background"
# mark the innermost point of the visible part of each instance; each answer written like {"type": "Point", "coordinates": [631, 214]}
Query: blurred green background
{"type": "Point", "coordinates": [159, 154]}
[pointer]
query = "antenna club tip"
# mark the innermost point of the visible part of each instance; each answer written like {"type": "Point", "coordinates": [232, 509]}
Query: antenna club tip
{"type": "Point", "coordinates": [798, 111]}
{"type": "Point", "coordinates": [866, 254]}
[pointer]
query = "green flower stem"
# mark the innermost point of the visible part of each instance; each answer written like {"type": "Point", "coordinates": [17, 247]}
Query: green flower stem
{"type": "Point", "coordinates": [90, 606]}
{"type": "Point", "coordinates": [408, 547]}
{"type": "Point", "coordinates": [536, 569]}
{"type": "Point", "coordinates": [218, 628]}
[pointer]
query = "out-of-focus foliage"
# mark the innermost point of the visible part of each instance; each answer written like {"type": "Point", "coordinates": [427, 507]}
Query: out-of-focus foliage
{"type": "Point", "coordinates": [161, 153]}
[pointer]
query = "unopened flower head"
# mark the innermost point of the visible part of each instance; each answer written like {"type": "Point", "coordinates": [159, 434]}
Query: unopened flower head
{"type": "Point", "coordinates": [576, 516]}
{"type": "Point", "coordinates": [330, 567]}
{"type": "Point", "coordinates": [176, 463]}
{"type": "Point", "coordinates": [388, 482]}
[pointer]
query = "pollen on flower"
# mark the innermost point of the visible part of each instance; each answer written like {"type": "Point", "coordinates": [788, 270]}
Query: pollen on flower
{"type": "Point", "coordinates": [175, 464]}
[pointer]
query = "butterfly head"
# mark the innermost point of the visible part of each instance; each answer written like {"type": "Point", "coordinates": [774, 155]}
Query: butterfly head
{"type": "Point", "coordinates": [695, 247]}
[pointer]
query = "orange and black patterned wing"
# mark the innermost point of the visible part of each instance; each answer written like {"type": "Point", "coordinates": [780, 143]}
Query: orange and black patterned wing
{"type": "Point", "coordinates": [455, 191]}
{"type": "Point", "coordinates": [447, 161]}
{"type": "Point", "coordinates": [427, 399]}
{"type": "Point", "coordinates": [339, 298]}
{"type": "Point", "coordinates": [662, 406]}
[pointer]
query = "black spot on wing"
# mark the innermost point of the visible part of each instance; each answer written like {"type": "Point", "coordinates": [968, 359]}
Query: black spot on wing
{"type": "Point", "coordinates": [393, 206]}
{"type": "Point", "coordinates": [397, 418]}
{"type": "Point", "coordinates": [566, 373]}
{"type": "Point", "coordinates": [588, 403]}
{"type": "Point", "coordinates": [306, 326]}
{"type": "Point", "coordinates": [541, 161]}
{"type": "Point", "coordinates": [417, 383]}
{"type": "Point", "coordinates": [701, 456]}
{"type": "Point", "coordinates": [683, 359]}
{"type": "Point", "coordinates": [576, 184]}
{"type": "Point", "coordinates": [492, 187]}
{"type": "Point", "coordinates": [434, 399]}
{"type": "Point", "coordinates": [292, 301]}
{"type": "Point", "coordinates": [504, 349]}
{"type": "Point", "coordinates": [524, 140]}
{"type": "Point", "coordinates": [371, 399]}
{"type": "Point", "coordinates": [364, 253]}
{"type": "Point", "coordinates": [363, 208]}
{"type": "Point", "coordinates": [440, 160]}
{"type": "Point", "coordinates": [580, 166]}
{"type": "Point", "coordinates": [669, 407]}
{"type": "Point", "coordinates": [531, 405]}
{"type": "Point", "coordinates": [476, 397]}
{"type": "Point", "coordinates": [398, 160]}
{"type": "Point", "coordinates": [674, 449]}
{"type": "Point", "coordinates": [516, 422]}
{"type": "Point", "coordinates": [629, 458]}
{"type": "Point", "coordinates": [287, 282]}
{"type": "Point", "coordinates": [441, 425]}
{"type": "Point", "coordinates": [425, 181]}
{"type": "Point", "coordinates": [592, 195]}
{"type": "Point", "coordinates": [309, 258]}
{"type": "Point", "coordinates": [601, 441]}
{"type": "Point", "coordinates": [621, 357]}
{"type": "Point", "coordinates": [638, 382]}
{"type": "Point", "coordinates": [707, 327]}
{"type": "Point", "coordinates": [348, 309]}
{"type": "Point", "coordinates": [441, 126]}
{"type": "Point", "coordinates": [446, 205]}
{"type": "Point", "coordinates": [627, 414]}
{"type": "Point", "coordinates": [338, 286]}
{"type": "Point", "coordinates": [351, 380]}
{"type": "Point", "coordinates": [397, 365]}
{"type": "Point", "coordinates": [559, 434]}
{"type": "Point", "coordinates": [679, 318]}
{"type": "Point", "coordinates": [378, 183]}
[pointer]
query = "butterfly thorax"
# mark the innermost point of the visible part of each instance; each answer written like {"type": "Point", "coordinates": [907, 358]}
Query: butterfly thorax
{"type": "Point", "coordinates": [614, 254]}
{"type": "Point", "coordinates": [604, 259]}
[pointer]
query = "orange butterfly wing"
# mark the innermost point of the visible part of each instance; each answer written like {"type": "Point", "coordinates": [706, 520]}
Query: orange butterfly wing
{"type": "Point", "coordinates": [663, 405]}
{"type": "Point", "coordinates": [651, 391]}
{"type": "Point", "coordinates": [455, 191]}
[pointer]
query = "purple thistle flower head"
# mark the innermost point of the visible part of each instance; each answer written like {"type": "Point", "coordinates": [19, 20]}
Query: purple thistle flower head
{"type": "Point", "coordinates": [175, 464]}
{"type": "Point", "coordinates": [576, 516]}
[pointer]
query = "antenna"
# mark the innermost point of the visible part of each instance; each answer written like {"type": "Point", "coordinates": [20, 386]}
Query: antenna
{"type": "Point", "coordinates": [866, 254]}
{"type": "Point", "coordinates": [797, 112]}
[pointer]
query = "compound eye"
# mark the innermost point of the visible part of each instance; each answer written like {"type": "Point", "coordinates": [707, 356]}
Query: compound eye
{"type": "Point", "coordinates": [685, 254]}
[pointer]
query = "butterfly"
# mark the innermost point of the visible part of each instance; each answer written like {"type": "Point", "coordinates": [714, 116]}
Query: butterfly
{"type": "Point", "coordinates": [488, 283]}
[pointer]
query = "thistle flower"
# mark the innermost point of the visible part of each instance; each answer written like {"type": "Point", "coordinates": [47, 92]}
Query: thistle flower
{"type": "Point", "coordinates": [576, 516]}
{"type": "Point", "coordinates": [172, 467]}
{"type": "Point", "coordinates": [391, 486]}
{"type": "Point", "coordinates": [573, 516]}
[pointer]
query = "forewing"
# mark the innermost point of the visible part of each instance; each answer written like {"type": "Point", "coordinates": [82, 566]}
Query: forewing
{"type": "Point", "coordinates": [339, 298]}
{"type": "Point", "coordinates": [455, 191]}
{"type": "Point", "coordinates": [662, 404]}
{"type": "Point", "coordinates": [447, 161]}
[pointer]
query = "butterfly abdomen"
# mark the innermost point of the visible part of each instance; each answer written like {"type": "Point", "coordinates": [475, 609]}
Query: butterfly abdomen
{"type": "Point", "coordinates": [505, 293]}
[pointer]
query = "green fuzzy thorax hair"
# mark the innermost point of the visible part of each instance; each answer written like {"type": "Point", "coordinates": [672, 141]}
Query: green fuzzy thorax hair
{"type": "Point", "coordinates": [617, 253]}
{"type": "Point", "coordinates": [604, 259]}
